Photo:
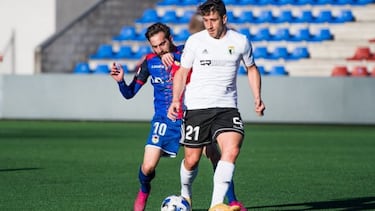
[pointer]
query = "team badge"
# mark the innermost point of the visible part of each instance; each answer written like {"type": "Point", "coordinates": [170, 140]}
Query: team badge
{"type": "Point", "coordinates": [155, 139]}
{"type": "Point", "coordinates": [231, 50]}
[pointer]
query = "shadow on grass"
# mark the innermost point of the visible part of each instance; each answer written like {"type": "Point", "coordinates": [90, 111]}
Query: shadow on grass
{"type": "Point", "coordinates": [364, 203]}
{"type": "Point", "coordinates": [19, 169]}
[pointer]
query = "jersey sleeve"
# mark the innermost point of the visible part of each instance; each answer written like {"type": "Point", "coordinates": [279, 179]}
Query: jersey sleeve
{"type": "Point", "coordinates": [188, 55]}
{"type": "Point", "coordinates": [247, 55]}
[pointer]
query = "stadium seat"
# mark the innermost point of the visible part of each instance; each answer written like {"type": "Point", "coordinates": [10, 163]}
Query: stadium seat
{"type": "Point", "coordinates": [343, 2]}
{"type": "Point", "coordinates": [280, 52]}
{"type": "Point", "coordinates": [300, 52]}
{"type": "Point", "coordinates": [359, 71]}
{"type": "Point", "coordinates": [262, 70]}
{"type": "Point", "coordinates": [170, 16]}
{"type": "Point", "coordinates": [322, 35]}
{"type": "Point", "coordinates": [322, 2]}
{"type": "Point", "coordinates": [189, 2]}
{"type": "Point", "coordinates": [242, 70]}
{"type": "Point", "coordinates": [104, 52]}
{"type": "Point", "coordinates": [101, 69]}
{"type": "Point", "coordinates": [324, 16]}
{"type": "Point", "coordinates": [186, 16]}
{"type": "Point", "coordinates": [362, 53]}
{"type": "Point", "coordinates": [343, 16]}
{"type": "Point", "coordinates": [285, 16]}
{"type": "Point", "coordinates": [280, 34]}
{"type": "Point", "coordinates": [142, 50]}
{"type": "Point", "coordinates": [261, 52]}
{"type": "Point", "coordinates": [149, 16]}
{"type": "Point", "coordinates": [168, 2]}
{"type": "Point", "coordinates": [245, 16]}
{"type": "Point", "coordinates": [340, 71]}
{"type": "Point", "coordinates": [231, 17]}
{"type": "Point", "coordinates": [126, 33]}
{"type": "Point", "coordinates": [278, 71]}
{"type": "Point", "coordinates": [230, 2]}
{"type": "Point", "coordinates": [261, 35]}
{"type": "Point", "coordinates": [82, 68]}
{"type": "Point", "coordinates": [125, 52]}
{"type": "Point", "coordinates": [246, 2]}
{"type": "Point", "coordinates": [305, 16]}
{"type": "Point", "coordinates": [141, 35]}
{"type": "Point", "coordinates": [182, 35]}
{"type": "Point", "coordinates": [245, 31]}
{"type": "Point", "coordinates": [302, 2]}
{"type": "Point", "coordinates": [265, 16]}
{"type": "Point", "coordinates": [302, 34]}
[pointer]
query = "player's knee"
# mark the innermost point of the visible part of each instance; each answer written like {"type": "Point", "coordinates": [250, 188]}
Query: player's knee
{"type": "Point", "coordinates": [191, 163]}
{"type": "Point", "coordinates": [148, 169]}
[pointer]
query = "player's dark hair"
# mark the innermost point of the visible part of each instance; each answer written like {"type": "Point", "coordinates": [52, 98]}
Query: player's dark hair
{"type": "Point", "coordinates": [156, 28]}
{"type": "Point", "coordinates": [212, 6]}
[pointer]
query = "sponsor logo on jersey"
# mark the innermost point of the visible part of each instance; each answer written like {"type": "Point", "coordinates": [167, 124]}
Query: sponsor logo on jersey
{"type": "Point", "coordinates": [205, 62]}
{"type": "Point", "coordinates": [157, 80]}
{"type": "Point", "coordinates": [205, 51]}
{"type": "Point", "coordinates": [155, 139]}
{"type": "Point", "coordinates": [231, 50]}
{"type": "Point", "coordinates": [157, 66]}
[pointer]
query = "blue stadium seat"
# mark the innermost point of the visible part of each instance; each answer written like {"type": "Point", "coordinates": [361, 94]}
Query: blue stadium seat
{"type": "Point", "coordinates": [245, 16]}
{"type": "Point", "coordinates": [284, 2]}
{"type": "Point", "coordinates": [170, 16]}
{"type": "Point", "coordinates": [245, 31]}
{"type": "Point", "coordinates": [149, 16]}
{"type": "Point", "coordinates": [126, 33]}
{"type": "Point", "coordinates": [285, 16]}
{"type": "Point", "coordinates": [261, 35]}
{"type": "Point", "coordinates": [306, 16]}
{"type": "Point", "coordinates": [186, 16]}
{"type": "Point", "coordinates": [278, 71]}
{"type": "Point", "coordinates": [322, 35]}
{"type": "Point", "coordinates": [182, 35]}
{"type": "Point", "coordinates": [125, 52]}
{"type": "Point", "coordinates": [345, 15]}
{"type": "Point", "coordinates": [82, 68]}
{"type": "Point", "coordinates": [260, 52]}
{"type": "Point", "coordinates": [242, 70]}
{"type": "Point", "coordinates": [168, 2]}
{"type": "Point", "coordinates": [231, 17]}
{"type": "Point", "coordinates": [279, 52]}
{"type": "Point", "coordinates": [265, 16]}
{"type": "Point", "coordinates": [324, 16]}
{"type": "Point", "coordinates": [141, 35]}
{"type": "Point", "coordinates": [104, 52]}
{"type": "Point", "coordinates": [302, 2]}
{"type": "Point", "coordinates": [299, 52]}
{"type": "Point", "coordinates": [190, 2]}
{"type": "Point", "coordinates": [142, 50]}
{"type": "Point", "coordinates": [280, 34]}
{"type": "Point", "coordinates": [101, 69]}
{"type": "Point", "coordinates": [230, 2]}
{"type": "Point", "coordinates": [262, 70]}
{"type": "Point", "coordinates": [302, 34]}
{"type": "Point", "coordinates": [343, 2]}
{"type": "Point", "coordinates": [322, 2]}
{"type": "Point", "coordinates": [246, 2]}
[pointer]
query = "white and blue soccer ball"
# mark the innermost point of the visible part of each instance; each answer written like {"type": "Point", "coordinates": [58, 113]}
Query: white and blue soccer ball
{"type": "Point", "coordinates": [175, 203]}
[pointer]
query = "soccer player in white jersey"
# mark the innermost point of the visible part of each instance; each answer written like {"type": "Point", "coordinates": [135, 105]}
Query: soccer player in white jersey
{"type": "Point", "coordinates": [214, 55]}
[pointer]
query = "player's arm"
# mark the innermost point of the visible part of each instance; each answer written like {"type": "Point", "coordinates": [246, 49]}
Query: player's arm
{"type": "Point", "coordinates": [255, 85]}
{"type": "Point", "coordinates": [179, 82]}
{"type": "Point", "coordinates": [128, 91]}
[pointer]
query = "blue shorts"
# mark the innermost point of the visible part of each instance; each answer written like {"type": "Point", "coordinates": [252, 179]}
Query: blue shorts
{"type": "Point", "coordinates": [165, 134]}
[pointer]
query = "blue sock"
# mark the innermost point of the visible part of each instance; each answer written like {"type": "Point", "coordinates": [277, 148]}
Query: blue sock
{"type": "Point", "coordinates": [230, 193]}
{"type": "Point", "coordinates": [145, 180]}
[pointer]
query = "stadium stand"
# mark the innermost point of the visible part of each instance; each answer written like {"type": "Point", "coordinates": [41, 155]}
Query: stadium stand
{"type": "Point", "coordinates": [300, 37]}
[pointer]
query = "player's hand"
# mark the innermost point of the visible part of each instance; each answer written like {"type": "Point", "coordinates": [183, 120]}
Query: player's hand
{"type": "Point", "coordinates": [167, 59]}
{"type": "Point", "coordinates": [173, 110]}
{"type": "Point", "coordinates": [259, 107]}
{"type": "Point", "coordinates": [117, 72]}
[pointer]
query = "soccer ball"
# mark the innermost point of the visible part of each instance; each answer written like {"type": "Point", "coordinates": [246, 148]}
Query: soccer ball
{"type": "Point", "coordinates": [175, 203]}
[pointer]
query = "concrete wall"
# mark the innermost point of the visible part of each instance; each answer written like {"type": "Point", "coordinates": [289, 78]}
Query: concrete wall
{"type": "Point", "coordinates": [96, 97]}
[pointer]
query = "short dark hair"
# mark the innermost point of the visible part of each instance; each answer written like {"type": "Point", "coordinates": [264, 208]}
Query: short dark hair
{"type": "Point", "coordinates": [212, 6]}
{"type": "Point", "coordinates": [156, 28]}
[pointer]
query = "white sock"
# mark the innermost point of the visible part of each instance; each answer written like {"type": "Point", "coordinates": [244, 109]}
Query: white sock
{"type": "Point", "coordinates": [187, 178]}
{"type": "Point", "coordinates": [222, 178]}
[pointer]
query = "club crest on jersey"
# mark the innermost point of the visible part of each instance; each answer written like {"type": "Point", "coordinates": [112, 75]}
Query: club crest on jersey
{"type": "Point", "coordinates": [155, 139]}
{"type": "Point", "coordinates": [231, 50]}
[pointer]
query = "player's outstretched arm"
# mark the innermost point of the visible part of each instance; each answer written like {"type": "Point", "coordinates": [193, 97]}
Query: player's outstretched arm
{"type": "Point", "coordinates": [255, 85]}
{"type": "Point", "coordinates": [127, 92]}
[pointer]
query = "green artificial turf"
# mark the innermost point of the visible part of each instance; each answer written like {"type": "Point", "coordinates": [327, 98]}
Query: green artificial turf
{"type": "Point", "coordinates": [56, 165]}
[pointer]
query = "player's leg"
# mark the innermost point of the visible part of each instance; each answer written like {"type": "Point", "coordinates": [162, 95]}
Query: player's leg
{"type": "Point", "coordinates": [189, 170]}
{"type": "Point", "coordinates": [146, 174]}
{"type": "Point", "coordinates": [229, 143]}
{"type": "Point", "coordinates": [212, 152]}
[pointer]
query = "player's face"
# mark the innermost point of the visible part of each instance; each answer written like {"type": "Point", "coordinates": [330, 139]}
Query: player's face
{"type": "Point", "coordinates": [160, 44]}
{"type": "Point", "coordinates": [215, 24]}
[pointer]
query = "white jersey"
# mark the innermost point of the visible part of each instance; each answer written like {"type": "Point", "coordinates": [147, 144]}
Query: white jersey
{"type": "Point", "coordinates": [214, 64]}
